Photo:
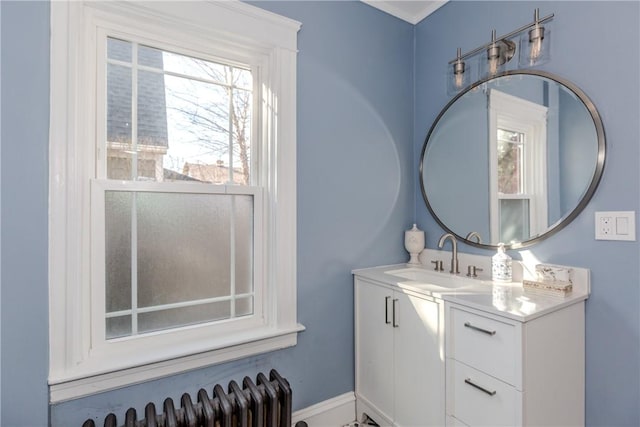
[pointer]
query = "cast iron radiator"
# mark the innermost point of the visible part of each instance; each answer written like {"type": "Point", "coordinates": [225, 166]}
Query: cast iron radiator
{"type": "Point", "coordinates": [267, 404]}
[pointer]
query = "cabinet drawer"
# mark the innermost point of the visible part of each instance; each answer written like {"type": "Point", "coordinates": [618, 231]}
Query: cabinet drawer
{"type": "Point", "coordinates": [486, 344]}
{"type": "Point", "coordinates": [481, 400]}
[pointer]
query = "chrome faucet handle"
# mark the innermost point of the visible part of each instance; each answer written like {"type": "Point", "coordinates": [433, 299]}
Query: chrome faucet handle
{"type": "Point", "coordinates": [472, 235]}
{"type": "Point", "coordinates": [472, 271]}
{"type": "Point", "coordinates": [437, 265]}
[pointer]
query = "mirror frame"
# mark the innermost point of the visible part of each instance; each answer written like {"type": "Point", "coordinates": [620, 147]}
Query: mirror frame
{"type": "Point", "coordinates": [588, 194]}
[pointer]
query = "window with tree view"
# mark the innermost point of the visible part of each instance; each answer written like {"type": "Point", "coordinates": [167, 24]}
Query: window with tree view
{"type": "Point", "coordinates": [179, 201]}
{"type": "Point", "coordinates": [514, 200]}
{"type": "Point", "coordinates": [517, 167]}
{"type": "Point", "coordinates": [173, 117]}
{"type": "Point", "coordinates": [173, 189]}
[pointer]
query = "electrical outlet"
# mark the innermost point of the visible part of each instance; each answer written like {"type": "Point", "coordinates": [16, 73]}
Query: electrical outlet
{"type": "Point", "coordinates": [616, 225]}
{"type": "Point", "coordinates": [604, 226]}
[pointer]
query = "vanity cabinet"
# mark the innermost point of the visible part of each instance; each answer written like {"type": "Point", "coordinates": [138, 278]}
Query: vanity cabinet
{"type": "Point", "coordinates": [432, 349]}
{"type": "Point", "coordinates": [504, 372]}
{"type": "Point", "coordinates": [399, 345]}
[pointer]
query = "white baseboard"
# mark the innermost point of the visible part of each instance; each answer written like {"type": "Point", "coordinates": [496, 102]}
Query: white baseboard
{"type": "Point", "coordinates": [334, 412]}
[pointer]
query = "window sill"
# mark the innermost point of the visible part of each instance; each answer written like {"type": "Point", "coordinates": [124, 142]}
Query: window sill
{"type": "Point", "coordinates": [67, 388]}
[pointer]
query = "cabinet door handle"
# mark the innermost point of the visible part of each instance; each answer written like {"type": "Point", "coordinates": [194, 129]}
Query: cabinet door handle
{"type": "Point", "coordinates": [479, 387]}
{"type": "Point", "coordinates": [475, 328]}
{"type": "Point", "coordinates": [395, 322]}
{"type": "Point", "coordinates": [386, 310]}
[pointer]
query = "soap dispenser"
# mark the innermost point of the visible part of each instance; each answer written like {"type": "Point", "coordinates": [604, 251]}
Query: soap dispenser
{"type": "Point", "coordinates": [501, 266]}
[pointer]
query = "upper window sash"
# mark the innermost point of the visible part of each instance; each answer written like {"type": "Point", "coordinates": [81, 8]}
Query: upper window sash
{"type": "Point", "coordinates": [257, 65]}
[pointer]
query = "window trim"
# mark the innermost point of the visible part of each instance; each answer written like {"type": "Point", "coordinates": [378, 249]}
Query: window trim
{"type": "Point", "coordinates": [517, 114]}
{"type": "Point", "coordinates": [73, 372]}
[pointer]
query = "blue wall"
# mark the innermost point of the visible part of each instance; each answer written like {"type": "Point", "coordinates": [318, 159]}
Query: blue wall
{"type": "Point", "coordinates": [591, 60]}
{"type": "Point", "coordinates": [358, 149]}
{"type": "Point", "coordinates": [24, 191]}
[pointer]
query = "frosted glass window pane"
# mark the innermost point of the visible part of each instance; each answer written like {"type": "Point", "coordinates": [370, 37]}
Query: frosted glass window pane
{"type": "Point", "coordinates": [183, 247]}
{"type": "Point", "coordinates": [186, 247]}
{"type": "Point", "coordinates": [118, 250]}
{"type": "Point", "coordinates": [183, 316]}
{"type": "Point", "coordinates": [514, 220]}
{"type": "Point", "coordinates": [244, 244]}
{"type": "Point", "coordinates": [244, 306]}
{"type": "Point", "coordinates": [118, 327]}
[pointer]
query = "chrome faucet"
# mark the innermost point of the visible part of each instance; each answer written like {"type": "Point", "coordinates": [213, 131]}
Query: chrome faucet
{"type": "Point", "coordinates": [454, 251]}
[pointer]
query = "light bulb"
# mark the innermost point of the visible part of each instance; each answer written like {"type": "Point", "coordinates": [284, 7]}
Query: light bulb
{"type": "Point", "coordinates": [493, 65]}
{"type": "Point", "coordinates": [459, 80]}
{"type": "Point", "coordinates": [536, 36]}
{"type": "Point", "coordinates": [536, 47]}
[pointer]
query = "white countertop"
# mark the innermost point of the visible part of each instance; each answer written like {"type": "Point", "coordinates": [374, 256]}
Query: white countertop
{"type": "Point", "coordinates": [479, 293]}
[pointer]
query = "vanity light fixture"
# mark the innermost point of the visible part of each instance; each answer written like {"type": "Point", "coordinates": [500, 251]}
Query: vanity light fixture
{"type": "Point", "coordinates": [534, 50]}
{"type": "Point", "coordinates": [499, 53]}
{"type": "Point", "coordinates": [460, 76]}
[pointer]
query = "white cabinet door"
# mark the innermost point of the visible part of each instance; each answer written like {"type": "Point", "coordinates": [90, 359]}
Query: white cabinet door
{"type": "Point", "coordinates": [419, 361]}
{"type": "Point", "coordinates": [374, 346]}
{"type": "Point", "coordinates": [399, 356]}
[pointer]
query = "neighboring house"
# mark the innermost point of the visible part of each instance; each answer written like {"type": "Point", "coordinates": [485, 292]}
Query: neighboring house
{"type": "Point", "coordinates": [152, 138]}
{"type": "Point", "coordinates": [217, 174]}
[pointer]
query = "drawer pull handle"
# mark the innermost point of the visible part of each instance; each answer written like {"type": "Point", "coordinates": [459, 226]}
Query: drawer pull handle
{"type": "Point", "coordinates": [395, 321]}
{"type": "Point", "coordinates": [490, 393]}
{"type": "Point", "coordinates": [386, 310]}
{"type": "Point", "coordinates": [475, 328]}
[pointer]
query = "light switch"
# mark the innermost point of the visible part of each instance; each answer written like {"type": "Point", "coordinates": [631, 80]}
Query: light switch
{"type": "Point", "coordinates": [622, 226]}
{"type": "Point", "coordinates": [616, 225]}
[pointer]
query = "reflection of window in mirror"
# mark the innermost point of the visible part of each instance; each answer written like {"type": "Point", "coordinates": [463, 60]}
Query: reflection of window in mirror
{"type": "Point", "coordinates": [517, 167]}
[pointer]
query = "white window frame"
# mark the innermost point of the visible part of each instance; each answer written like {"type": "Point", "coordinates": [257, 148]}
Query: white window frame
{"type": "Point", "coordinates": [519, 115]}
{"type": "Point", "coordinates": [81, 362]}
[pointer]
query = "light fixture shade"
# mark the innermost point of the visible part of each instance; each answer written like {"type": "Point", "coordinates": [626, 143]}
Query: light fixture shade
{"type": "Point", "coordinates": [458, 75]}
{"type": "Point", "coordinates": [498, 53]}
{"type": "Point", "coordinates": [492, 65]}
{"type": "Point", "coordinates": [535, 47]}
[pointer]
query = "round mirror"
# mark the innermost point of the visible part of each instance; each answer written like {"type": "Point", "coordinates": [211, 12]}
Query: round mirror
{"type": "Point", "coordinates": [512, 159]}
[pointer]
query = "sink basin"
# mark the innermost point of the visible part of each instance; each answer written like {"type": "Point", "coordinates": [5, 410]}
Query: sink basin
{"type": "Point", "coordinates": [430, 278]}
